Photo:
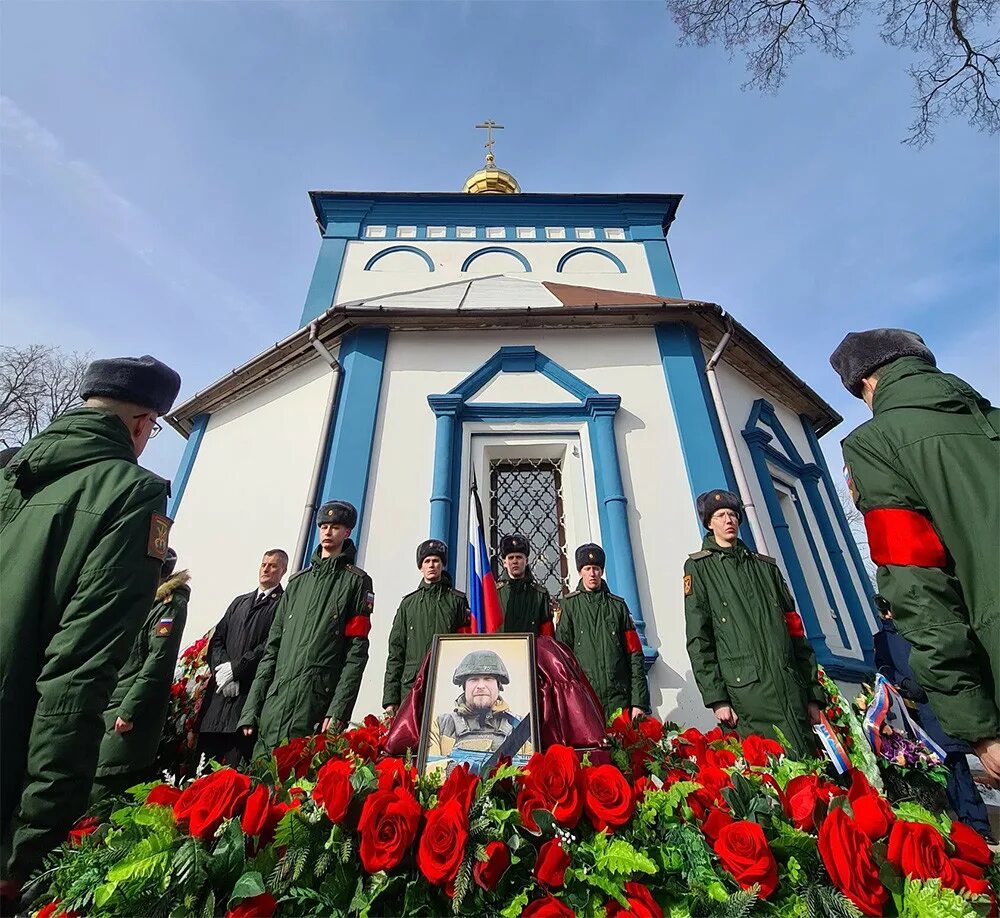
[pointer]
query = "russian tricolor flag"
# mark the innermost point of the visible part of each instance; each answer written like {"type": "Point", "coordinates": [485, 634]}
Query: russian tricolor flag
{"type": "Point", "coordinates": [484, 601]}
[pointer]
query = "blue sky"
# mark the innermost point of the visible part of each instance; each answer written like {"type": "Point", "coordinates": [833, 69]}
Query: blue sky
{"type": "Point", "coordinates": [156, 159]}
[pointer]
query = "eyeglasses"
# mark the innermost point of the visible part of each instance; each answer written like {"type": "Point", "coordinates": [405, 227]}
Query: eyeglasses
{"type": "Point", "coordinates": [155, 429]}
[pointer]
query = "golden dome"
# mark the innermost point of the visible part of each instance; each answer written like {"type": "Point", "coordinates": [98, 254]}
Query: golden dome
{"type": "Point", "coordinates": [491, 179]}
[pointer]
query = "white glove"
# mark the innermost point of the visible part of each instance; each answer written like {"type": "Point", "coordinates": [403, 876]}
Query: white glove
{"type": "Point", "coordinates": [223, 674]}
{"type": "Point", "coordinates": [231, 689]}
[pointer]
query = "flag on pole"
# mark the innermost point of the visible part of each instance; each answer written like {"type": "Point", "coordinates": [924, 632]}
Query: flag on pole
{"type": "Point", "coordinates": [484, 601]}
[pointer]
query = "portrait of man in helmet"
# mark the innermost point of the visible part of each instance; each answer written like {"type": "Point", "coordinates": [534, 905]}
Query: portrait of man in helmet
{"type": "Point", "coordinates": [482, 707]}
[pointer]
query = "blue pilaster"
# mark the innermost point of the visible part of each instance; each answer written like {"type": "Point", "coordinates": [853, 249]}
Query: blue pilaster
{"type": "Point", "coordinates": [178, 485]}
{"type": "Point", "coordinates": [445, 409]}
{"type": "Point", "coordinates": [326, 276]}
{"type": "Point", "coordinates": [349, 456]}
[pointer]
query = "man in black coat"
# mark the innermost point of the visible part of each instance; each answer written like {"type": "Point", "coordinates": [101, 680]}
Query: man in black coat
{"type": "Point", "coordinates": [892, 657]}
{"type": "Point", "coordinates": [234, 651]}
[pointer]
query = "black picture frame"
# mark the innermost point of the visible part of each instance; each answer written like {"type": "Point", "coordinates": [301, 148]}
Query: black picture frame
{"type": "Point", "coordinates": [503, 645]}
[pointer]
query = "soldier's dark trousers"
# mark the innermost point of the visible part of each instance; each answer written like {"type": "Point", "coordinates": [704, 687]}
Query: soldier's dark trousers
{"type": "Point", "coordinates": [963, 795]}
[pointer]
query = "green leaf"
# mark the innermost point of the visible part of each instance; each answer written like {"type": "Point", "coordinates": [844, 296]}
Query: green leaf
{"type": "Point", "coordinates": [149, 857]}
{"type": "Point", "coordinates": [914, 812]}
{"type": "Point", "coordinates": [739, 904]}
{"type": "Point", "coordinates": [103, 894]}
{"type": "Point", "coordinates": [516, 906]}
{"type": "Point", "coordinates": [247, 886]}
{"type": "Point", "coordinates": [544, 820]}
{"type": "Point", "coordinates": [930, 900]}
{"type": "Point", "coordinates": [621, 858]}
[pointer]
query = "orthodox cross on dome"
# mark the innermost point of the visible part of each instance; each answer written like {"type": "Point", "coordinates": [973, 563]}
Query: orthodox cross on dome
{"type": "Point", "coordinates": [490, 127]}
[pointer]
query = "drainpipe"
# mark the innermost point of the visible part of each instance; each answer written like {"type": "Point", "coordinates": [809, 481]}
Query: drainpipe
{"type": "Point", "coordinates": [309, 511]}
{"type": "Point", "coordinates": [727, 435]}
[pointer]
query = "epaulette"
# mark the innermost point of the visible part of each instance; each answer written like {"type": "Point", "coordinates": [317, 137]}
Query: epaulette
{"type": "Point", "coordinates": [539, 587]}
{"type": "Point", "coordinates": [354, 569]}
{"type": "Point", "coordinates": [767, 558]}
{"type": "Point", "coordinates": [459, 593]}
{"type": "Point", "coordinates": [414, 593]}
{"type": "Point", "coordinates": [699, 554]}
{"type": "Point", "coordinates": [619, 598]}
{"type": "Point", "coordinates": [304, 570]}
{"type": "Point", "coordinates": [574, 593]}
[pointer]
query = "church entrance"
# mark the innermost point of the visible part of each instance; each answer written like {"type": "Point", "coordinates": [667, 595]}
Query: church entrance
{"type": "Point", "coordinates": [526, 496]}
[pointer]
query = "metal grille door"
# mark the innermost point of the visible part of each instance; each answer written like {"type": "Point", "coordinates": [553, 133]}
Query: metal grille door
{"type": "Point", "coordinates": [526, 497]}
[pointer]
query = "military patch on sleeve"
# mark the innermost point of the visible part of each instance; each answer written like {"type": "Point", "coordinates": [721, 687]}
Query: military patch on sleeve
{"type": "Point", "coordinates": [687, 585]}
{"type": "Point", "coordinates": [370, 602]}
{"type": "Point", "coordinates": [165, 626]}
{"type": "Point", "coordinates": [159, 531]}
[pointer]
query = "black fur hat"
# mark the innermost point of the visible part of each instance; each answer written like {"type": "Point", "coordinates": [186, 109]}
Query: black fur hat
{"type": "Point", "coordinates": [143, 381]}
{"type": "Point", "coordinates": [515, 544]}
{"type": "Point", "coordinates": [432, 548]}
{"type": "Point", "coordinates": [338, 512]}
{"type": "Point", "coordinates": [590, 554]}
{"type": "Point", "coordinates": [711, 501]}
{"type": "Point", "coordinates": [861, 353]}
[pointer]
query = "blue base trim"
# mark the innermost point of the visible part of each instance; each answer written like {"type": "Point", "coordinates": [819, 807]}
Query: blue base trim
{"type": "Point", "coordinates": [349, 454]}
{"type": "Point", "coordinates": [705, 455]}
{"type": "Point", "coordinates": [179, 484]}
{"type": "Point", "coordinates": [452, 410]}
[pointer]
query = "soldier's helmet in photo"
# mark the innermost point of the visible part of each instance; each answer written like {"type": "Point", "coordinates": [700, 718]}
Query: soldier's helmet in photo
{"type": "Point", "coordinates": [481, 663]}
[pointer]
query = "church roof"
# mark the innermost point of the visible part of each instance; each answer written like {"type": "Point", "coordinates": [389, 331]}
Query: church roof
{"type": "Point", "coordinates": [499, 301]}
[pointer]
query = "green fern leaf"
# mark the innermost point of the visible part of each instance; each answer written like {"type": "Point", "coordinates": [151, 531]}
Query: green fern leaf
{"type": "Point", "coordinates": [621, 858]}
{"type": "Point", "coordinates": [739, 904]}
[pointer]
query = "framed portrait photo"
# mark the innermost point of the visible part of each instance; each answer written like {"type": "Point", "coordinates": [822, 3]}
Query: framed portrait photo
{"type": "Point", "coordinates": [481, 702]}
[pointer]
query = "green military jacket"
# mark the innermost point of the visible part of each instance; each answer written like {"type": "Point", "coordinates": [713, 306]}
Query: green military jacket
{"type": "Point", "coordinates": [432, 608]}
{"type": "Point", "coordinates": [598, 628]}
{"type": "Point", "coordinates": [924, 472]}
{"type": "Point", "coordinates": [316, 652]}
{"type": "Point", "coordinates": [746, 642]}
{"type": "Point", "coordinates": [82, 537]}
{"type": "Point", "coordinates": [142, 695]}
{"type": "Point", "coordinates": [526, 606]}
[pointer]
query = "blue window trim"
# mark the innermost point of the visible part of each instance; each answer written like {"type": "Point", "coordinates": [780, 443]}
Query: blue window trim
{"type": "Point", "coordinates": [399, 248]}
{"type": "Point", "coordinates": [352, 437]}
{"type": "Point", "coordinates": [808, 475]}
{"type": "Point", "coordinates": [706, 458]}
{"type": "Point", "coordinates": [452, 410]}
{"type": "Point", "coordinates": [593, 250]}
{"type": "Point", "coordinates": [177, 487]}
{"type": "Point", "coordinates": [499, 249]}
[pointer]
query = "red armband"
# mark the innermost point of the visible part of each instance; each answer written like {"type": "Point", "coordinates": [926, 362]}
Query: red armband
{"type": "Point", "coordinates": [632, 642]}
{"type": "Point", "coordinates": [904, 538]}
{"type": "Point", "coordinates": [358, 626]}
{"type": "Point", "coordinates": [546, 629]}
{"type": "Point", "coordinates": [793, 622]}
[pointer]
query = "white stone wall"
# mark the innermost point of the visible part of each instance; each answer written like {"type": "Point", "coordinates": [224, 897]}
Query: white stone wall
{"type": "Point", "coordinates": [408, 271]}
{"type": "Point", "coordinates": [247, 490]}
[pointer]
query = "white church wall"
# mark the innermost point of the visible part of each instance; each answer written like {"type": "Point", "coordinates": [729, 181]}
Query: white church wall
{"type": "Point", "coordinates": [740, 394]}
{"type": "Point", "coordinates": [405, 270]}
{"type": "Point", "coordinates": [662, 524]}
{"type": "Point", "coordinates": [247, 489]}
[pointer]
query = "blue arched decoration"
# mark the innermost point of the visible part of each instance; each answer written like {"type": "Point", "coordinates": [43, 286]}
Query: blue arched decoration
{"type": "Point", "coordinates": [807, 475]}
{"type": "Point", "coordinates": [502, 249]}
{"type": "Point", "coordinates": [594, 251]}
{"type": "Point", "coordinates": [400, 248]}
{"type": "Point", "coordinates": [453, 409]}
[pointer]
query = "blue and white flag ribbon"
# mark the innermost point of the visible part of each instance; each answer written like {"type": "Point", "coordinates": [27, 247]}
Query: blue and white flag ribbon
{"type": "Point", "coordinates": [878, 711]}
{"type": "Point", "coordinates": [831, 745]}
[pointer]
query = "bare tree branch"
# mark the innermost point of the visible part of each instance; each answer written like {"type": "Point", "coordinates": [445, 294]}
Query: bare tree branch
{"type": "Point", "coordinates": [957, 74]}
{"type": "Point", "coordinates": [37, 384]}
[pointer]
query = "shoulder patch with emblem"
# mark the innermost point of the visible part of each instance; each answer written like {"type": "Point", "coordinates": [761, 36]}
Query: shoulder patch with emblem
{"type": "Point", "coordinates": [159, 532]}
{"type": "Point", "coordinates": [687, 585]}
{"type": "Point", "coordinates": [369, 602]}
{"type": "Point", "coordinates": [700, 554]}
{"type": "Point", "coordinates": [164, 626]}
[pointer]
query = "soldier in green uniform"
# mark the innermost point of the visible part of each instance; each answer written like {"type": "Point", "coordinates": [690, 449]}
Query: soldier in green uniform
{"type": "Point", "coordinates": [525, 602]}
{"type": "Point", "coordinates": [433, 608]}
{"type": "Point", "coordinates": [597, 626]}
{"type": "Point", "coordinates": [748, 649]}
{"type": "Point", "coordinates": [82, 537]}
{"type": "Point", "coordinates": [317, 648]}
{"type": "Point", "coordinates": [481, 721]}
{"type": "Point", "coordinates": [133, 721]}
{"type": "Point", "coordinates": [925, 472]}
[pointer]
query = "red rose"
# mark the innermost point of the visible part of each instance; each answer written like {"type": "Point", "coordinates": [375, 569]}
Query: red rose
{"type": "Point", "coordinates": [163, 795]}
{"type": "Point", "coordinates": [261, 906]}
{"type": "Point", "coordinates": [872, 812]}
{"type": "Point", "coordinates": [917, 851]}
{"type": "Point", "coordinates": [756, 749]}
{"type": "Point", "coordinates": [642, 787]}
{"type": "Point", "coordinates": [549, 907]}
{"type": "Point", "coordinates": [261, 815]}
{"type": "Point", "coordinates": [607, 796]}
{"type": "Point", "coordinates": [714, 822]}
{"type": "Point", "coordinates": [846, 853]}
{"type": "Point", "coordinates": [623, 729]}
{"type": "Point", "coordinates": [803, 797]}
{"type": "Point", "coordinates": [552, 779]}
{"type": "Point", "coordinates": [691, 744]}
{"type": "Point", "coordinates": [641, 903]}
{"type": "Point", "coordinates": [551, 864]}
{"type": "Point", "coordinates": [742, 847]}
{"type": "Point", "coordinates": [713, 780]}
{"type": "Point", "coordinates": [210, 800]}
{"type": "Point", "coordinates": [460, 785]}
{"type": "Point", "coordinates": [333, 789]}
{"type": "Point", "coordinates": [393, 773]}
{"type": "Point", "coordinates": [366, 741]}
{"type": "Point", "coordinates": [651, 729]}
{"type": "Point", "coordinates": [443, 841]}
{"type": "Point", "coordinates": [719, 758]}
{"type": "Point", "coordinates": [970, 846]}
{"type": "Point", "coordinates": [388, 826]}
{"type": "Point", "coordinates": [83, 827]}
{"type": "Point", "coordinates": [294, 757]}
{"type": "Point", "coordinates": [487, 873]}
{"type": "Point", "coordinates": [52, 910]}
{"type": "Point", "coordinates": [716, 734]}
